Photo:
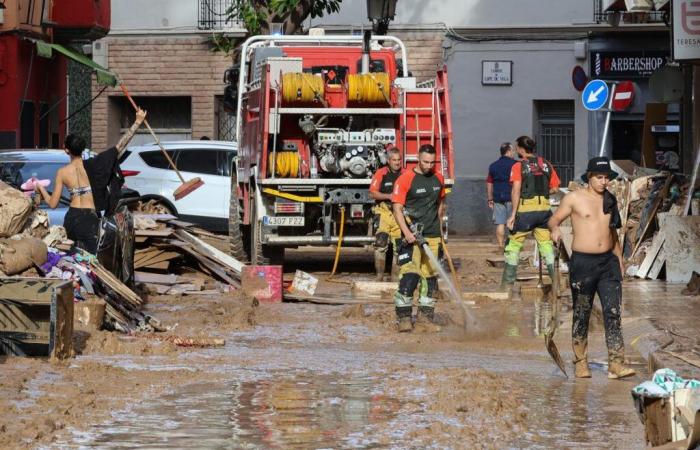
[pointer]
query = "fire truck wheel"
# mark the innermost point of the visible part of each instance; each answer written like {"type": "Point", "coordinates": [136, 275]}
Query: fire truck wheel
{"type": "Point", "coordinates": [239, 234]}
{"type": "Point", "coordinates": [261, 254]}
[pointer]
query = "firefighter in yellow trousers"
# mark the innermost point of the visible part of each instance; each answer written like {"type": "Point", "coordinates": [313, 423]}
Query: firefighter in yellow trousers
{"type": "Point", "coordinates": [532, 179]}
{"type": "Point", "coordinates": [388, 231]}
{"type": "Point", "coordinates": [419, 193]}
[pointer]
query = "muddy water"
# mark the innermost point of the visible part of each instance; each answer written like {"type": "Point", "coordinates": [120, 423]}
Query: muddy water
{"type": "Point", "coordinates": [309, 378]}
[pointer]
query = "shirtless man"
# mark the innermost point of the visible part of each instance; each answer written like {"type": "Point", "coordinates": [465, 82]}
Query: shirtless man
{"type": "Point", "coordinates": [596, 264]}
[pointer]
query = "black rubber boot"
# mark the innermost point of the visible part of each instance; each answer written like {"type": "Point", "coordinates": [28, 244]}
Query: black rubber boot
{"type": "Point", "coordinates": [424, 320]}
{"type": "Point", "coordinates": [510, 273]}
{"type": "Point", "coordinates": [380, 263]}
{"type": "Point", "coordinates": [403, 314]}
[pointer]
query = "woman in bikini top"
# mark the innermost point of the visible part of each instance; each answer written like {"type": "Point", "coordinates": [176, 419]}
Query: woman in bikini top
{"type": "Point", "coordinates": [81, 221]}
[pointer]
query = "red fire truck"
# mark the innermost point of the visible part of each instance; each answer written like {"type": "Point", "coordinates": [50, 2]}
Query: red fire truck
{"type": "Point", "coordinates": [316, 116]}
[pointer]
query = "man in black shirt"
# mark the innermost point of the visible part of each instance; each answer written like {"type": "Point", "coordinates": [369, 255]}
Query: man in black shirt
{"type": "Point", "coordinates": [420, 194]}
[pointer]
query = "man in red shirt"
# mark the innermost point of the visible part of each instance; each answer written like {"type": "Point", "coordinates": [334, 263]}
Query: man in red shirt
{"type": "Point", "coordinates": [533, 178]}
{"type": "Point", "coordinates": [420, 194]}
{"type": "Point", "coordinates": [388, 231]}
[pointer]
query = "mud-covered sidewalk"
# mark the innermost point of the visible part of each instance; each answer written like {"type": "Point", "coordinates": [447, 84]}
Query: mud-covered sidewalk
{"type": "Point", "coordinates": [297, 375]}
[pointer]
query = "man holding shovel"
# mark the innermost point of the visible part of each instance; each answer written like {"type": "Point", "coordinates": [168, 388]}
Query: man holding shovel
{"type": "Point", "coordinates": [595, 265]}
{"type": "Point", "coordinates": [418, 193]}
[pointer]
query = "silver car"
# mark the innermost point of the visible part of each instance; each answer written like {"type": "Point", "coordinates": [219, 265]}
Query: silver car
{"type": "Point", "coordinates": [18, 166]}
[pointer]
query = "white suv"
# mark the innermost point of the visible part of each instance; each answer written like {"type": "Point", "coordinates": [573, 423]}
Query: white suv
{"type": "Point", "coordinates": [147, 171]}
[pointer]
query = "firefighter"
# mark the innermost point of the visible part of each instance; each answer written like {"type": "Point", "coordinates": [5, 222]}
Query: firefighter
{"type": "Point", "coordinates": [388, 231]}
{"type": "Point", "coordinates": [421, 193]}
{"type": "Point", "coordinates": [533, 178]}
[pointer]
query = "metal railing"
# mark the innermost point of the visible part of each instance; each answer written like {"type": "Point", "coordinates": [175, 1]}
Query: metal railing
{"type": "Point", "coordinates": [213, 15]}
{"type": "Point", "coordinates": [627, 17]}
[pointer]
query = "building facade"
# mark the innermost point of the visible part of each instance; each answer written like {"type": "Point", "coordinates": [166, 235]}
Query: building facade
{"type": "Point", "coordinates": [167, 58]}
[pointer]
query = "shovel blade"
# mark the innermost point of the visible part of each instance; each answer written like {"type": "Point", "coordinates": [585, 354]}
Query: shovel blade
{"type": "Point", "coordinates": [554, 352]}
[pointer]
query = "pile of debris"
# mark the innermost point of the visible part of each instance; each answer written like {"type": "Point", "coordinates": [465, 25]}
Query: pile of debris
{"type": "Point", "coordinates": [661, 225]}
{"type": "Point", "coordinates": [175, 257]}
{"type": "Point", "coordinates": [171, 257]}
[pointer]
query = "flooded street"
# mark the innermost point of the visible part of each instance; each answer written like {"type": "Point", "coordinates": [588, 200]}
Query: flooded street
{"type": "Point", "coordinates": [316, 376]}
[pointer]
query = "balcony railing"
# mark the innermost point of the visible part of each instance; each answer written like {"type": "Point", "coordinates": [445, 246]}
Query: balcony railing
{"type": "Point", "coordinates": [615, 16]}
{"type": "Point", "coordinates": [212, 15]}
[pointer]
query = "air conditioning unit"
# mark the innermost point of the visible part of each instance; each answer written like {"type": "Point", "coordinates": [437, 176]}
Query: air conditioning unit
{"type": "Point", "coordinates": [639, 5]}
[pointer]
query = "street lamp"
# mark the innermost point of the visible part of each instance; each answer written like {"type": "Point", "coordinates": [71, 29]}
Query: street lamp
{"type": "Point", "coordinates": [380, 13]}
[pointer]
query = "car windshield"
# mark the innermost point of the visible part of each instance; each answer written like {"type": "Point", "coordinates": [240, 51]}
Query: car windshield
{"type": "Point", "coordinates": [16, 173]}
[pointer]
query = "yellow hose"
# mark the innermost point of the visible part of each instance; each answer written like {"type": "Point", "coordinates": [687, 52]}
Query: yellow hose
{"type": "Point", "coordinates": [287, 164]}
{"type": "Point", "coordinates": [302, 87]}
{"type": "Point", "coordinates": [368, 87]}
{"type": "Point", "coordinates": [340, 240]}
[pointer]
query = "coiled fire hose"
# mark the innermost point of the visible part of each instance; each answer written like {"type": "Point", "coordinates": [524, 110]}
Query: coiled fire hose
{"type": "Point", "coordinates": [286, 164]}
{"type": "Point", "coordinates": [302, 87]}
{"type": "Point", "coordinates": [368, 87]}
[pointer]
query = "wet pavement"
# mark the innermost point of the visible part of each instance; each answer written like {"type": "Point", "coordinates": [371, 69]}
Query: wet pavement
{"type": "Point", "coordinates": [316, 376]}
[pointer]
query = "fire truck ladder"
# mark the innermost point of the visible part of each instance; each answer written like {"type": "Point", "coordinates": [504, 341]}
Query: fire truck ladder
{"type": "Point", "coordinates": [416, 113]}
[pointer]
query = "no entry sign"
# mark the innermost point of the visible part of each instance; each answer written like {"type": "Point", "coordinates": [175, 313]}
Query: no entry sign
{"type": "Point", "coordinates": [624, 95]}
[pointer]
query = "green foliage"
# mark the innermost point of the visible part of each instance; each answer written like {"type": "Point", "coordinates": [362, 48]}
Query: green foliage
{"type": "Point", "coordinates": [257, 15]}
{"type": "Point", "coordinates": [219, 42]}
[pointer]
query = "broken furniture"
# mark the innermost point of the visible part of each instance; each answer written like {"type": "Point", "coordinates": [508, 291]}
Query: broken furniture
{"type": "Point", "coordinates": [36, 317]}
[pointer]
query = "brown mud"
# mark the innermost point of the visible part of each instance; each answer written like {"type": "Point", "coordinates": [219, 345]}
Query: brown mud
{"type": "Point", "coordinates": [298, 375]}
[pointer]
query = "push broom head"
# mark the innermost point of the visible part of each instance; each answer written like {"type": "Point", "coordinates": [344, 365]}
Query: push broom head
{"type": "Point", "coordinates": [187, 187]}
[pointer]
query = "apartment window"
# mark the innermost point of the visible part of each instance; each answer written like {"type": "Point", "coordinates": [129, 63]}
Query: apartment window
{"type": "Point", "coordinates": [169, 117]}
{"type": "Point", "coordinates": [555, 135]}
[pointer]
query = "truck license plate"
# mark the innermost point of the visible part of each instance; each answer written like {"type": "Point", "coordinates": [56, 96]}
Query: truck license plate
{"type": "Point", "coordinates": [284, 221]}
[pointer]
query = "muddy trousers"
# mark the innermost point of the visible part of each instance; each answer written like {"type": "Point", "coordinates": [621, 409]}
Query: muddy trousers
{"type": "Point", "coordinates": [531, 217]}
{"type": "Point", "coordinates": [590, 274]}
{"type": "Point", "coordinates": [515, 244]}
{"type": "Point", "coordinates": [416, 271]}
{"type": "Point", "coordinates": [388, 233]}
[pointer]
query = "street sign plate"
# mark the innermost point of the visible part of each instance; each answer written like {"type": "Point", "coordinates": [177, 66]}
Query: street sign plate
{"type": "Point", "coordinates": [595, 94]}
{"type": "Point", "coordinates": [623, 97]}
{"type": "Point", "coordinates": [579, 78]}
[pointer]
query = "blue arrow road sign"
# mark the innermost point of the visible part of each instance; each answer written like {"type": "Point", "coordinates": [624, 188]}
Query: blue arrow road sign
{"type": "Point", "coordinates": [594, 95]}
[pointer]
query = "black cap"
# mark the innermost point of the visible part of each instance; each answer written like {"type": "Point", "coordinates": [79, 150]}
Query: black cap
{"type": "Point", "coordinates": [599, 164]}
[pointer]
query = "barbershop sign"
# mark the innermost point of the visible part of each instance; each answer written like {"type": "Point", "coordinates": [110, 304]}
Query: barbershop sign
{"type": "Point", "coordinates": [627, 65]}
{"type": "Point", "coordinates": [686, 30]}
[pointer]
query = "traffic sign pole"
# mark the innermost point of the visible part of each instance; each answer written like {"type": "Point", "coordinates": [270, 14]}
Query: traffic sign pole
{"type": "Point", "coordinates": [607, 122]}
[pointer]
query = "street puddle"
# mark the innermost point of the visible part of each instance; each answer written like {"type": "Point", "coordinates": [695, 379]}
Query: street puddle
{"type": "Point", "coordinates": [305, 411]}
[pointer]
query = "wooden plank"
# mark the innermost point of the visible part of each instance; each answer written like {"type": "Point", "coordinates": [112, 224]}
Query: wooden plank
{"type": "Point", "coordinates": [651, 255]}
{"type": "Point", "coordinates": [211, 251]}
{"type": "Point", "coordinates": [154, 233]}
{"type": "Point", "coordinates": [155, 278]}
{"type": "Point", "coordinates": [116, 285]}
{"type": "Point", "coordinates": [373, 287]}
{"type": "Point", "coordinates": [652, 213]}
{"type": "Point", "coordinates": [211, 265]}
{"type": "Point", "coordinates": [659, 263]}
{"type": "Point", "coordinates": [157, 217]}
{"type": "Point", "coordinates": [335, 300]}
{"type": "Point", "coordinates": [157, 266]}
{"type": "Point", "coordinates": [163, 257]}
{"type": "Point", "coordinates": [493, 295]}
